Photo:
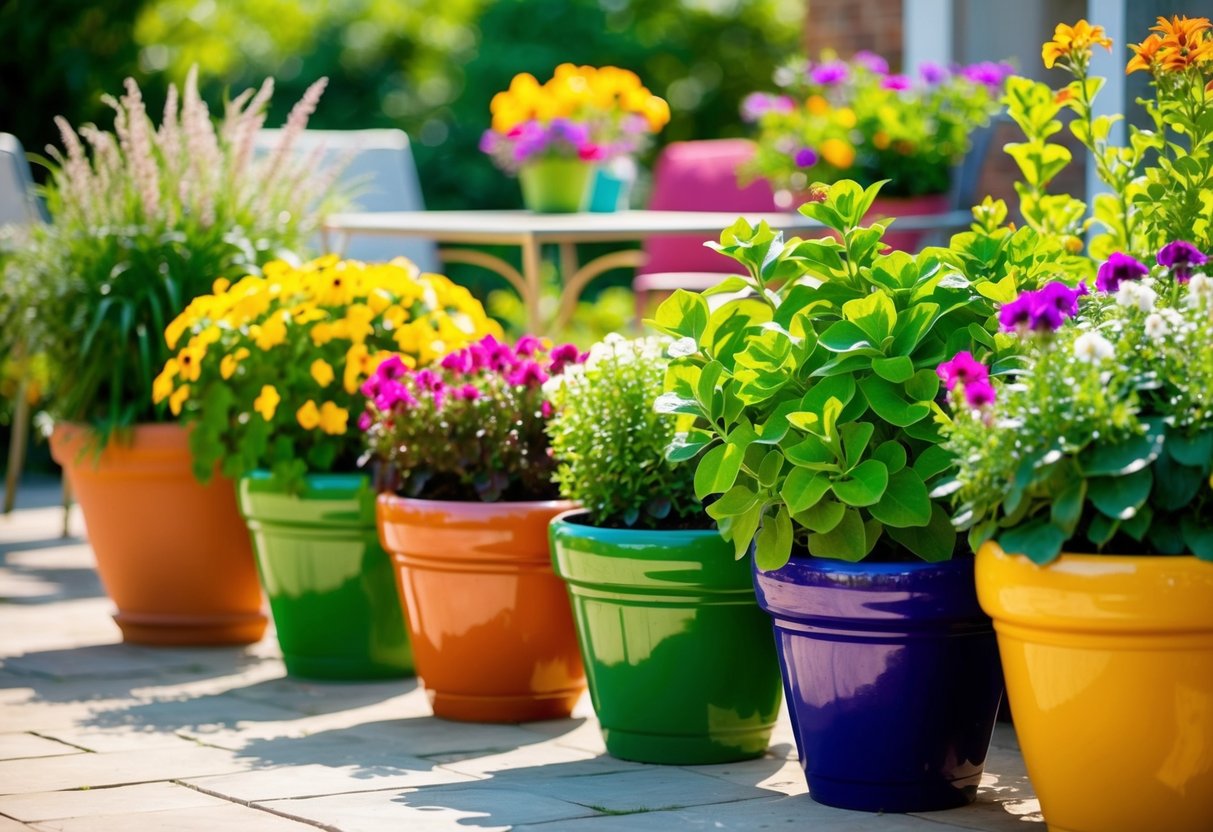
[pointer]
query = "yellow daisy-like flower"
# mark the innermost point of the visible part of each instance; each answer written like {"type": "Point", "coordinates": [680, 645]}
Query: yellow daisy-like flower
{"type": "Point", "coordinates": [333, 419]}
{"type": "Point", "coordinates": [838, 153]}
{"type": "Point", "coordinates": [220, 285]}
{"type": "Point", "coordinates": [231, 361]}
{"type": "Point", "coordinates": [267, 402]}
{"type": "Point", "coordinates": [269, 334]}
{"type": "Point", "coordinates": [308, 416]}
{"type": "Point", "coordinates": [189, 362]}
{"type": "Point", "coordinates": [177, 400]}
{"type": "Point", "coordinates": [322, 372]}
{"type": "Point", "coordinates": [1073, 42]}
{"type": "Point", "coordinates": [356, 360]}
{"type": "Point", "coordinates": [162, 387]}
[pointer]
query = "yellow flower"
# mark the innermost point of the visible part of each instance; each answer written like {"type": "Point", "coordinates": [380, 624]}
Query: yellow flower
{"type": "Point", "coordinates": [308, 416]}
{"type": "Point", "coordinates": [838, 153]}
{"type": "Point", "coordinates": [322, 371]}
{"type": "Point", "coordinates": [174, 331]}
{"type": "Point", "coordinates": [1073, 42]}
{"type": "Point", "coordinates": [178, 398]}
{"type": "Point", "coordinates": [220, 285]}
{"type": "Point", "coordinates": [189, 362]}
{"type": "Point", "coordinates": [333, 418]}
{"type": "Point", "coordinates": [356, 361]}
{"type": "Point", "coordinates": [358, 318]}
{"type": "Point", "coordinates": [817, 105]}
{"type": "Point", "coordinates": [880, 140]}
{"type": "Point", "coordinates": [1183, 43]}
{"type": "Point", "coordinates": [162, 387]}
{"type": "Point", "coordinates": [321, 334]}
{"type": "Point", "coordinates": [269, 334]}
{"type": "Point", "coordinates": [267, 403]}
{"type": "Point", "coordinates": [845, 117]}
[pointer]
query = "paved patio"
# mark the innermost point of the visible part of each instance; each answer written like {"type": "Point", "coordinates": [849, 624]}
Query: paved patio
{"type": "Point", "coordinates": [97, 735]}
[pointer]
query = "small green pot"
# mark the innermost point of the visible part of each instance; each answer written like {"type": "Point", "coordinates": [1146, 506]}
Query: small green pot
{"type": "Point", "coordinates": [556, 185]}
{"type": "Point", "coordinates": [331, 587]}
{"type": "Point", "coordinates": [681, 661]}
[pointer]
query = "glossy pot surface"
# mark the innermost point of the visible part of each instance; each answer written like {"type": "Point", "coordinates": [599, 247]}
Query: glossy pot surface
{"type": "Point", "coordinates": [680, 659]}
{"type": "Point", "coordinates": [1109, 667]}
{"type": "Point", "coordinates": [557, 185]}
{"type": "Point", "coordinates": [173, 554]}
{"type": "Point", "coordinates": [329, 582]}
{"type": "Point", "coordinates": [489, 620]}
{"type": "Point", "coordinates": [891, 675]}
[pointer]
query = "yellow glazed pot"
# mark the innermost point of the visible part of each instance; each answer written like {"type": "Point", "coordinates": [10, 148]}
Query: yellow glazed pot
{"type": "Point", "coordinates": [1109, 668]}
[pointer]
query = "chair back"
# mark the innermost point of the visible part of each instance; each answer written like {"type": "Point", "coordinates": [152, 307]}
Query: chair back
{"type": "Point", "coordinates": [18, 203]}
{"type": "Point", "coordinates": [380, 175]}
{"type": "Point", "coordinates": [701, 176]}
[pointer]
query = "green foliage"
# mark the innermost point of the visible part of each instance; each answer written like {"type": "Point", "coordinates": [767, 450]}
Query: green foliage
{"type": "Point", "coordinates": [817, 398]}
{"type": "Point", "coordinates": [610, 442]}
{"type": "Point", "coordinates": [141, 225]}
{"type": "Point", "coordinates": [1105, 442]}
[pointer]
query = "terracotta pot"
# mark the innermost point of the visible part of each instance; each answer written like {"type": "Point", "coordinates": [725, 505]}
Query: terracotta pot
{"type": "Point", "coordinates": [492, 633]}
{"type": "Point", "coordinates": [1109, 667]}
{"type": "Point", "coordinates": [174, 555]}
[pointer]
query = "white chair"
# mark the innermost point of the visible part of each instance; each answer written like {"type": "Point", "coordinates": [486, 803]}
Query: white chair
{"type": "Point", "coordinates": [380, 175]}
{"type": "Point", "coordinates": [19, 205]}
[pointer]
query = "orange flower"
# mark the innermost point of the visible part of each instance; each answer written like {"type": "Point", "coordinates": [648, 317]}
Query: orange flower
{"type": "Point", "coordinates": [1146, 54]}
{"type": "Point", "coordinates": [1073, 41]}
{"type": "Point", "coordinates": [1183, 42]}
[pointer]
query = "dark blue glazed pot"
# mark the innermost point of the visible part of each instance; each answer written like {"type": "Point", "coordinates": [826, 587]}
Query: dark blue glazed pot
{"type": "Point", "coordinates": [892, 679]}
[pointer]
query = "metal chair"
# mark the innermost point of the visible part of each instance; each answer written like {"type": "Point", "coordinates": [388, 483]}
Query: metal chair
{"type": "Point", "coordinates": [380, 175]}
{"type": "Point", "coordinates": [20, 206]}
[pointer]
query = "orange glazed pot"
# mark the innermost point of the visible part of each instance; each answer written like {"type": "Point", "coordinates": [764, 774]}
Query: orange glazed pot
{"type": "Point", "coordinates": [174, 555]}
{"type": "Point", "coordinates": [490, 623]}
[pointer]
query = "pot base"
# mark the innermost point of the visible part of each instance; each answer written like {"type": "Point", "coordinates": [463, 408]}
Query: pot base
{"type": "Point", "coordinates": [182, 631]}
{"type": "Point", "coordinates": [675, 750]}
{"type": "Point", "coordinates": [894, 797]}
{"type": "Point", "coordinates": [533, 708]}
{"type": "Point", "coordinates": [337, 668]}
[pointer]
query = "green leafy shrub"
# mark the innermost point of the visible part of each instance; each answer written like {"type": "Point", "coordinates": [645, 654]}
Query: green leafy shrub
{"type": "Point", "coordinates": [818, 399]}
{"type": "Point", "coordinates": [610, 443]}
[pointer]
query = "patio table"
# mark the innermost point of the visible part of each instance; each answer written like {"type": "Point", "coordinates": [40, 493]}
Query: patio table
{"type": "Point", "coordinates": [530, 231]}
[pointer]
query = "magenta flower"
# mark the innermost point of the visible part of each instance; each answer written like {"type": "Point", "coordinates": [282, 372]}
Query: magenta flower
{"type": "Point", "coordinates": [1044, 310]}
{"type": "Point", "coordinates": [528, 345]}
{"type": "Point", "coordinates": [895, 82]}
{"type": "Point", "coordinates": [829, 74]}
{"type": "Point", "coordinates": [932, 73]}
{"type": "Point", "coordinates": [988, 73]}
{"type": "Point", "coordinates": [806, 157]}
{"type": "Point", "coordinates": [1118, 268]}
{"type": "Point", "coordinates": [1180, 256]}
{"type": "Point", "coordinates": [757, 104]}
{"type": "Point", "coordinates": [980, 394]}
{"type": "Point", "coordinates": [963, 369]}
{"type": "Point", "coordinates": [457, 362]}
{"type": "Point", "coordinates": [392, 368]}
{"type": "Point", "coordinates": [528, 374]}
{"type": "Point", "coordinates": [365, 421]}
{"type": "Point", "coordinates": [873, 62]}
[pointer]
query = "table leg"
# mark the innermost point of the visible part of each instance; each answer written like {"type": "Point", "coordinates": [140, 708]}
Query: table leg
{"type": "Point", "coordinates": [532, 264]}
{"type": "Point", "coordinates": [576, 282]}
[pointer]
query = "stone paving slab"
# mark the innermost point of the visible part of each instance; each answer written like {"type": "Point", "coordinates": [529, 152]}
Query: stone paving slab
{"type": "Point", "coordinates": [184, 739]}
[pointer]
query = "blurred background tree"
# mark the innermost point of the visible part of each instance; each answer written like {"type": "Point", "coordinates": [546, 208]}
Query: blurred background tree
{"type": "Point", "coordinates": [429, 67]}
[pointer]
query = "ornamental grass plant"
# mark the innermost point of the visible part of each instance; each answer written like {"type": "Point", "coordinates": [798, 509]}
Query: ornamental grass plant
{"type": "Point", "coordinates": [609, 442]}
{"type": "Point", "coordinates": [471, 428]}
{"type": "Point", "coordinates": [267, 369]}
{"type": "Point", "coordinates": [144, 219]}
{"type": "Point", "coordinates": [833, 119]}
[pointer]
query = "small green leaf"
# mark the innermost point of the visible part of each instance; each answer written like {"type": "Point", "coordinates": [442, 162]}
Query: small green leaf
{"type": "Point", "coordinates": [822, 517]}
{"type": "Point", "coordinates": [864, 485]}
{"type": "Point", "coordinates": [1067, 507]}
{"type": "Point", "coordinates": [905, 502]}
{"type": "Point", "coordinates": [846, 337]}
{"type": "Point", "coordinates": [1101, 529]}
{"type": "Point", "coordinates": [740, 528]}
{"type": "Point", "coordinates": [811, 453]}
{"type": "Point", "coordinates": [803, 489]}
{"type": "Point", "coordinates": [855, 439]}
{"type": "Point", "coordinates": [684, 314]}
{"type": "Point", "coordinates": [717, 470]}
{"type": "Point", "coordinates": [1198, 537]}
{"type": "Point", "coordinates": [1119, 497]}
{"type": "Point", "coordinates": [773, 547]}
{"type": "Point", "coordinates": [732, 283]}
{"type": "Point", "coordinates": [933, 542]}
{"type": "Point", "coordinates": [897, 369]}
{"type": "Point", "coordinates": [1122, 458]}
{"type": "Point", "coordinates": [924, 386]}
{"type": "Point", "coordinates": [737, 500]}
{"type": "Point", "coordinates": [889, 404]}
{"type": "Point", "coordinates": [875, 315]}
{"type": "Point", "coordinates": [1196, 451]}
{"type": "Point", "coordinates": [1039, 540]}
{"type": "Point", "coordinates": [769, 468]}
{"type": "Point", "coordinates": [932, 462]}
{"type": "Point", "coordinates": [847, 540]}
{"type": "Point", "coordinates": [892, 453]}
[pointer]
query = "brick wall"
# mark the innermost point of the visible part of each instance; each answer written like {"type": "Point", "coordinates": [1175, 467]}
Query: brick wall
{"type": "Point", "coordinates": [848, 26]}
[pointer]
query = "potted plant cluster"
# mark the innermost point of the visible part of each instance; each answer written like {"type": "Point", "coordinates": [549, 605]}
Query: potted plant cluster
{"type": "Point", "coordinates": [833, 119]}
{"type": "Point", "coordinates": [680, 660]}
{"type": "Point", "coordinates": [144, 220]}
{"type": "Point", "coordinates": [466, 494]}
{"type": "Point", "coordinates": [562, 137]}
{"type": "Point", "coordinates": [267, 374]}
{"type": "Point", "coordinates": [817, 440]}
{"type": "Point", "coordinates": [1086, 481]}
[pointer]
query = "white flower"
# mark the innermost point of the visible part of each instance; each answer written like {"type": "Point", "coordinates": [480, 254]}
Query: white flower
{"type": "Point", "coordinates": [1157, 327]}
{"type": "Point", "coordinates": [1092, 348]}
{"type": "Point", "coordinates": [1200, 290]}
{"type": "Point", "coordinates": [683, 346]}
{"type": "Point", "coordinates": [1134, 294]}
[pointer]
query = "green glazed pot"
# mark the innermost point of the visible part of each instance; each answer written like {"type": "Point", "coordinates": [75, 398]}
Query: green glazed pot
{"type": "Point", "coordinates": [556, 185]}
{"type": "Point", "coordinates": [680, 660]}
{"type": "Point", "coordinates": [331, 587]}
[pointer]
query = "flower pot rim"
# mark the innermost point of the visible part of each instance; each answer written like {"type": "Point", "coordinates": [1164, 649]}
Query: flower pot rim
{"type": "Point", "coordinates": [389, 499]}
{"type": "Point", "coordinates": [865, 566]}
{"type": "Point", "coordinates": [1115, 562]}
{"type": "Point", "coordinates": [564, 521]}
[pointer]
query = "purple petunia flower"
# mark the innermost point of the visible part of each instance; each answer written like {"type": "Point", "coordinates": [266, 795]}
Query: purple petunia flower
{"type": "Point", "coordinates": [988, 73]}
{"type": "Point", "coordinates": [932, 73]}
{"type": "Point", "coordinates": [1044, 310]}
{"type": "Point", "coordinates": [528, 374]}
{"type": "Point", "coordinates": [872, 61]}
{"type": "Point", "coordinates": [528, 345]}
{"type": "Point", "coordinates": [1180, 256]}
{"type": "Point", "coordinates": [980, 394]}
{"type": "Point", "coordinates": [806, 157]}
{"type": "Point", "coordinates": [757, 104]}
{"type": "Point", "coordinates": [1118, 268]}
{"type": "Point", "coordinates": [829, 74]}
{"type": "Point", "coordinates": [365, 421]}
{"type": "Point", "coordinates": [392, 368]}
{"type": "Point", "coordinates": [895, 82]}
{"type": "Point", "coordinates": [963, 369]}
